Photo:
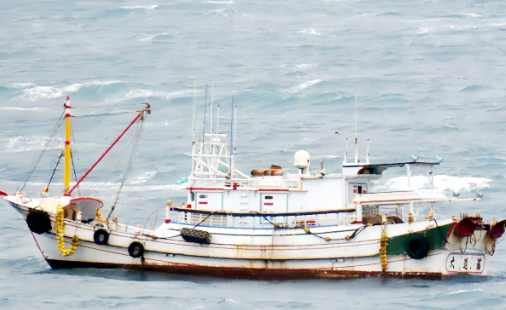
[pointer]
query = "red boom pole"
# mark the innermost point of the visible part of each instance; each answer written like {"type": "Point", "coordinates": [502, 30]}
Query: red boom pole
{"type": "Point", "coordinates": [110, 147]}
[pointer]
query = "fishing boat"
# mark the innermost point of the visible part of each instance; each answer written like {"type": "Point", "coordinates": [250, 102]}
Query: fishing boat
{"type": "Point", "coordinates": [269, 224]}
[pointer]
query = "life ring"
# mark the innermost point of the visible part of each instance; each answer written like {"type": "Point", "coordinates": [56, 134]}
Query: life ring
{"type": "Point", "coordinates": [38, 221]}
{"type": "Point", "coordinates": [136, 249]}
{"type": "Point", "coordinates": [417, 246]}
{"type": "Point", "coordinates": [101, 237]}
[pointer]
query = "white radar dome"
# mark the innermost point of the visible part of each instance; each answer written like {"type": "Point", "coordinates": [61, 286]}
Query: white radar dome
{"type": "Point", "coordinates": [301, 159]}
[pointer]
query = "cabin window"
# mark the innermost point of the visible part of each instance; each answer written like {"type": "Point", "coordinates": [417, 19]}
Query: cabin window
{"type": "Point", "coordinates": [360, 189]}
{"type": "Point", "coordinates": [202, 196]}
{"type": "Point", "coordinates": [268, 197]}
{"type": "Point", "coordinates": [192, 197]}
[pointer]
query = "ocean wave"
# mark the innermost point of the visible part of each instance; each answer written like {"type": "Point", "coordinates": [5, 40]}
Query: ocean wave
{"type": "Point", "coordinates": [147, 93]}
{"type": "Point", "coordinates": [140, 7]}
{"type": "Point", "coordinates": [20, 108]}
{"type": "Point", "coordinates": [465, 291]}
{"type": "Point", "coordinates": [29, 144]}
{"type": "Point", "coordinates": [219, 2]}
{"type": "Point", "coordinates": [150, 38]}
{"type": "Point", "coordinates": [20, 85]}
{"type": "Point", "coordinates": [311, 31]}
{"type": "Point", "coordinates": [33, 93]}
{"type": "Point", "coordinates": [304, 85]}
{"type": "Point", "coordinates": [442, 183]}
{"type": "Point", "coordinates": [144, 177]}
{"type": "Point", "coordinates": [307, 66]}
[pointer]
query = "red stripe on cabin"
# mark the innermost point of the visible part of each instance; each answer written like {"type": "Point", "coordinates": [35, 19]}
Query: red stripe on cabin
{"type": "Point", "coordinates": [273, 190]}
{"type": "Point", "coordinates": [202, 202]}
{"type": "Point", "coordinates": [268, 204]}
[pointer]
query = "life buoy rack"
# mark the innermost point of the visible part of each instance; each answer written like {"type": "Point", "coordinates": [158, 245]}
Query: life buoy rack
{"type": "Point", "coordinates": [101, 236]}
{"type": "Point", "coordinates": [417, 246]}
{"type": "Point", "coordinates": [38, 221]}
{"type": "Point", "coordinates": [136, 249]}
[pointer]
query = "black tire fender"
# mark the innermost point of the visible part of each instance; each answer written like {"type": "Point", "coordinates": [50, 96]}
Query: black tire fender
{"type": "Point", "coordinates": [38, 221]}
{"type": "Point", "coordinates": [101, 236]}
{"type": "Point", "coordinates": [417, 246]}
{"type": "Point", "coordinates": [136, 249]}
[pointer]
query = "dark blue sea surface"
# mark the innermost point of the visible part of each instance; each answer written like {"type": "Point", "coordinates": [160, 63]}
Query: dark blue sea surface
{"type": "Point", "coordinates": [428, 78]}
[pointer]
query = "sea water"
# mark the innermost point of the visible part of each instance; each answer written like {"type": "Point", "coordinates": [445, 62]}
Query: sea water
{"type": "Point", "coordinates": [427, 78]}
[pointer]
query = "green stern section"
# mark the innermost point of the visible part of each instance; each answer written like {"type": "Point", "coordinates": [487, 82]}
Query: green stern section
{"type": "Point", "coordinates": [436, 237]}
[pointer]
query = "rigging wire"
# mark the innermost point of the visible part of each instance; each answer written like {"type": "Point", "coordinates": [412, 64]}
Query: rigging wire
{"type": "Point", "coordinates": [75, 174]}
{"type": "Point", "coordinates": [111, 161]}
{"type": "Point", "coordinates": [54, 171]}
{"type": "Point", "coordinates": [55, 129]}
{"type": "Point", "coordinates": [134, 149]}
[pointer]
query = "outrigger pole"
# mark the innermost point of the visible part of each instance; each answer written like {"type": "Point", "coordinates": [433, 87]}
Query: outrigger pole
{"type": "Point", "coordinates": [141, 114]}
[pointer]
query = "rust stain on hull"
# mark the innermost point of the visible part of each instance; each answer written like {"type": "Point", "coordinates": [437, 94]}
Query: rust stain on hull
{"type": "Point", "coordinates": [248, 273]}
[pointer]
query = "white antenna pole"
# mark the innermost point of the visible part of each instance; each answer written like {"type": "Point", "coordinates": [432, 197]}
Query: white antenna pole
{"type": "Point", "coordinates": [367, 153]}
{"type": "Point", "coordinates": [193, 126]}
{"type": "Point", "coordinates": [230, 167]}
{"type": "Point", "coordinates": [212, 101]}
{"type": "Point", "coordinates": [235, 125]}
{"type": "Point", "coordinates": [356, 138]}
{"type": "Point", "coordinates": [205, 110]}
{"type": "Point", "coordinates": [217, 119]}
{"type": "Point", "coordinates": [193, 113]}
{"type": "Point", "coordinates": [345, 159]}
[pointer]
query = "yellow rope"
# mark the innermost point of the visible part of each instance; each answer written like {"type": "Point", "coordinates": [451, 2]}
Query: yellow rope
{"type": "Point", "coordinates": [383, 251]}
{"type": "Point", "coordinates": [60, 224]}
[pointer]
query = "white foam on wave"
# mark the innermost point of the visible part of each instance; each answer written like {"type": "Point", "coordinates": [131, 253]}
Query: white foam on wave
{"type": "Point", "coordinates": [140, 7]}
{"type": "Point", "coordinates": [48, 92]}
{"type": "Point", "coordinates": [150, 38]}
{"type": "Point", "coordinates": [442, 183]}
{"type": "Point", "coordinates": [219, 2]}
{"type": "Point", "coordinates": [20, 109]}
{"type": "Point", "coordinates": [307, 66]}
{"type": "Point", "coordinates": [28, 144]}
{"type": "Point", "coordinates": [304, 85]}
{"type": "Point", "coordinates": [426, 30]}
{"type": "Point", "coordinates": [444, 28]}
{"type": "Point", "coordinates": [144, 177]}
{"type": "Point", "coordinates": [465, 291]}
{"type": "Point", "coordinates": [471, 15]}
{"type": "Point", "coordinates": [311, 31]}
{"type": "Point", "coordinates": [20, 85]}
{"type": "Point", "coordinates": [146, 93]}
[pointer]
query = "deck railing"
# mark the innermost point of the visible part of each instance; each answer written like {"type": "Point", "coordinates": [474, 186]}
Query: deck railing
{"type": "Point", "coordinates": [261, 220]}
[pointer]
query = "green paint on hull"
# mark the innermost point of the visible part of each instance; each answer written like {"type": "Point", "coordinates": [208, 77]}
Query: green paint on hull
{"type": "Point", "coordinates": [436, 237]}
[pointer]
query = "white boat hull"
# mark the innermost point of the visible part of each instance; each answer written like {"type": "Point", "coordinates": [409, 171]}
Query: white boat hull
{"type": "Point", "coordinates": [265, 254]}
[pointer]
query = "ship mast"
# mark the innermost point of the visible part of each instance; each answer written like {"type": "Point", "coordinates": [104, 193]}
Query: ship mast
{"type": "Point", "coordinates": [68, 116]}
